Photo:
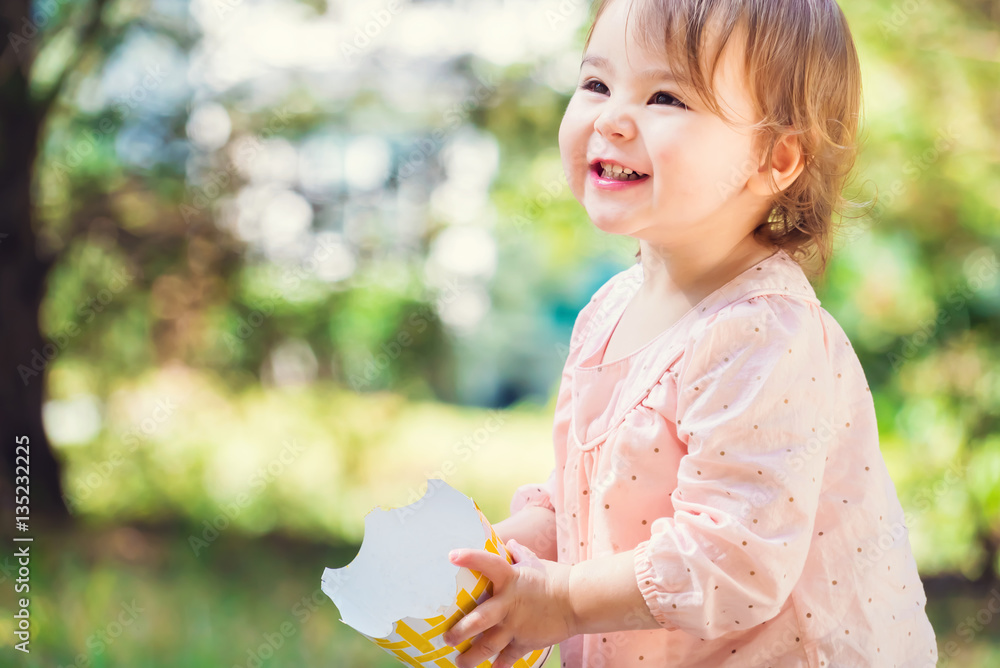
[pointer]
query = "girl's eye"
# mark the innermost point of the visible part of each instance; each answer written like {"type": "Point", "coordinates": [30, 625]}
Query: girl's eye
{"type": "Point", "coordinates": [589, 85]}
{"type": "Point", "coordinates": [670, 100]}
{"type": "Point", "coordinates": [664, 98]}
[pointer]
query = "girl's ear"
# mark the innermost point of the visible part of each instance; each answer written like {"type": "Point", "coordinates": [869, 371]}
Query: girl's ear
{"type": "Point", "coordinates": [787, 162]}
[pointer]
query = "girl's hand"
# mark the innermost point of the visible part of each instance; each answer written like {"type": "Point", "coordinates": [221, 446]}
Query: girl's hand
{"type": "Point", "coordinates": [529, 609]}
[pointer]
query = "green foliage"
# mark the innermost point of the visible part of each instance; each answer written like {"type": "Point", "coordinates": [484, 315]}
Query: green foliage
{"type": "Point", "coordinates": [121, 596]}
{"type": "Point", "coordinates": [311, 461]}
{"type": "Point", "coordinates": [915, 286]}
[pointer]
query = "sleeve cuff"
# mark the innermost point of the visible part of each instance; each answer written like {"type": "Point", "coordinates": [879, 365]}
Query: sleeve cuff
{"type": "Point", "coordinates": [646, 578]}
{"type": "Point", "coordinates": [530, 495]}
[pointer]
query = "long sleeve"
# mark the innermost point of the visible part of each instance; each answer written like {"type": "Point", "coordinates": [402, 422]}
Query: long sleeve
{"type": "Point", "coordinates": [534, 495]}
{"type": "Point", "coordinates": [588, 317]}
{"type": "Point", "coordinates": [755, 393]}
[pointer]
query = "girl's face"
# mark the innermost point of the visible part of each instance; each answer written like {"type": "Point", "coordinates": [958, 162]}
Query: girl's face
{"type": "Point", "coordinates": [627, 110]}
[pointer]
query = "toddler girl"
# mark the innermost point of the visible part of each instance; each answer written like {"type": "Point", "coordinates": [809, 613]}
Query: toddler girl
{"type": "Point", "coordinates": [719, 498]}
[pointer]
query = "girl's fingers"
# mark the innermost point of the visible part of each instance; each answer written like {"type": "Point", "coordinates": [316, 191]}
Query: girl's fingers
{"type": "Point", "coordinates": [491, 642]}
{"type": "Point", "coordinates": [508, 657]}
{"type": "Point", "coordinates": [493, 566]}
{"type": "Point", "coordinates": [521, 553]}
{"type": "Point", "coordinates": [483, 617]}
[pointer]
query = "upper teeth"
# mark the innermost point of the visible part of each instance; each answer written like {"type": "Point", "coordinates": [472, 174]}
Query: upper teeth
{"type": "Point", "coordinates": [616, 169]}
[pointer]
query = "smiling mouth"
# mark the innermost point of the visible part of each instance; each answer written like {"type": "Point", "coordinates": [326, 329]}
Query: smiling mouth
{"type": "Point", "coordinates": [616, 172]}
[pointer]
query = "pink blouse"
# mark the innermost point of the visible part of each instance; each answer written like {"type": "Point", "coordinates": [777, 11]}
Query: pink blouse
{"type": "Point", "coordinates": [738, 453]}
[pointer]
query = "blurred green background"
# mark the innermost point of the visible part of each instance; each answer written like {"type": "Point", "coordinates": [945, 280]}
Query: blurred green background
{"type": "Point", "coordinates": [302, 254]}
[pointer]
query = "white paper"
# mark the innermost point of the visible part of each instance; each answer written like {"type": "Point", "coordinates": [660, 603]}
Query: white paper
{"type": "Point", "coordinates": [401, 591]}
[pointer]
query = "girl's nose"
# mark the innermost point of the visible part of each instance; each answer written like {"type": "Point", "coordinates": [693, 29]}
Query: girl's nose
{"type": "Point", "coordinates": [615, 121]}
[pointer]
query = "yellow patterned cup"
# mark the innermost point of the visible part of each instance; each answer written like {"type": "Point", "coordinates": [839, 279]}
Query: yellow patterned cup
{"type": "Point", "coordinates": [401, 591]}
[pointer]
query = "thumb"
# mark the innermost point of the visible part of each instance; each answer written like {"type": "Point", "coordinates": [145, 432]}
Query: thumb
{"type": "Point", "coordinates": [521, 553]}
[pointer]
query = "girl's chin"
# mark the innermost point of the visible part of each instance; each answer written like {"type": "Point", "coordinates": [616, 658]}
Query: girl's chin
{"type": "Point", "coordinates": [613, 222]}
{"type": "Point", "coordinates": [613, 225]}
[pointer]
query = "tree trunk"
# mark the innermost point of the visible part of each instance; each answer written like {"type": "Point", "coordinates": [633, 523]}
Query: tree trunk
{"type": "Point", "coordinates": [24, 354]}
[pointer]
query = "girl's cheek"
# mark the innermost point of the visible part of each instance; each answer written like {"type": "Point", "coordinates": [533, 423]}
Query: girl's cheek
{"type": "Point", "coordinates": [571, 123]}
{"type": "Point", "coordinates": [565, 132]}
{"type": "Point", "coordinates": [572, 143]}
{"type": "Point", "coordinates": [671, 162]}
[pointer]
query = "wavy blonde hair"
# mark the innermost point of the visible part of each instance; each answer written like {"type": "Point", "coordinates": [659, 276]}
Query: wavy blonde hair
{"type": "Point", "coordinates": [804, 79]}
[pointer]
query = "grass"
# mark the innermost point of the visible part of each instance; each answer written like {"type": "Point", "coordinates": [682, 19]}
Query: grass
{"type": "Point", "coordinates": [129, 597]}
{"type": "Point", "coordinates": [140, 597]}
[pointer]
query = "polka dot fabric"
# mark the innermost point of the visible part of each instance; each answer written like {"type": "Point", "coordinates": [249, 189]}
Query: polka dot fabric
{"type": "Point", "coordinates": [737, 454]}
